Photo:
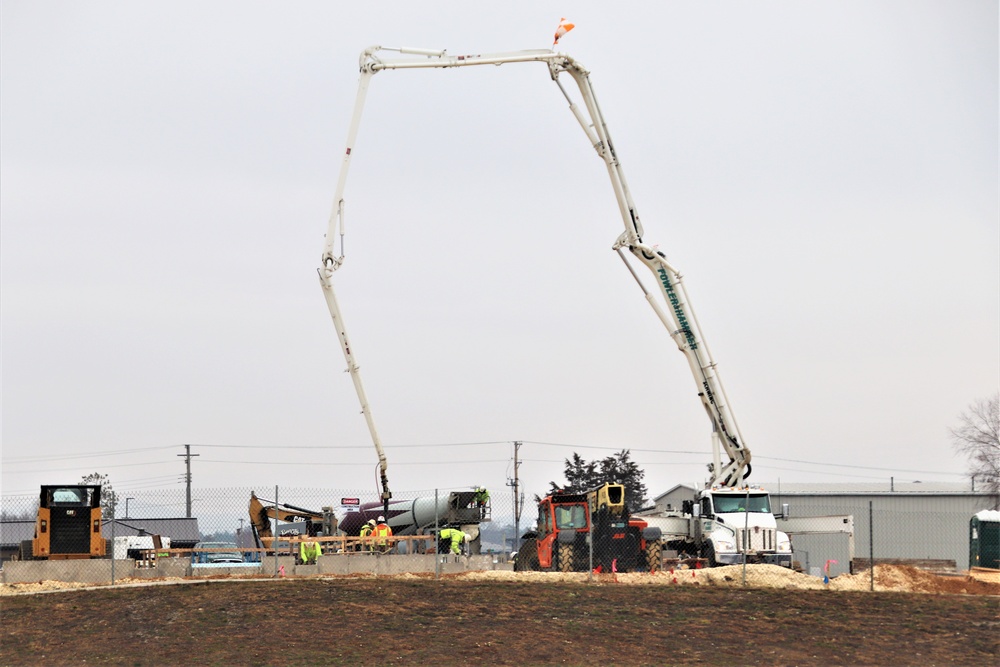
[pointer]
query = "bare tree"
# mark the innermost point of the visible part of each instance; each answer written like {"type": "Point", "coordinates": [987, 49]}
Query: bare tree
{"type": "Point", "coordinates": [109, 499]}
{"type": "Point", "coordinates": [978, 437]}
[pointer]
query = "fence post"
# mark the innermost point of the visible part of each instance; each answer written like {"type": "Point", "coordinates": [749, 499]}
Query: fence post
{"type": "Point", "coordinates": [746, 533]}
{"type": "Point", "coordinates": [590, 550]}
{"type": "Point", "coordinates": [437, 539]}
{"type": "Point", "coordinates": [274, 538]}
{"type": "Point", "coordinates": [113, 521]}
{"type": "Point", "coordinates": [871, 548]}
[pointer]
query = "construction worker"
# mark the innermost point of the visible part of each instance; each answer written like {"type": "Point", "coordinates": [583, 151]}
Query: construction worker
{"type": "Point", "coordinates": [481, 498]}
{"type": "Point", "coordinates": [309, 551]}
{"type": "Point", "coordinates": [380, 533]}
{"type": "Point", "coordinates": [366, 531]}
{"type": "Point", "coordinates": [455, 537]}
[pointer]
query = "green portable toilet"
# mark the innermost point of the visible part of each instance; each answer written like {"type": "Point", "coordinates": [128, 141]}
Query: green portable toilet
{"type": "Point", "coordinates": [984, 539]}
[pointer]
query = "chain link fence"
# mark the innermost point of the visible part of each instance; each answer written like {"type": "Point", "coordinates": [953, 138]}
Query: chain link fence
{"type": "Point", "coordinates": [277, 531]}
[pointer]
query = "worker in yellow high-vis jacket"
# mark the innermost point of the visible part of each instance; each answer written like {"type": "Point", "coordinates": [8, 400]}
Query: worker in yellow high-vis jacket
{"type": "Point", "coordinates": [309, 551]}
{"type": "Point", "coordinates": [453, 536]}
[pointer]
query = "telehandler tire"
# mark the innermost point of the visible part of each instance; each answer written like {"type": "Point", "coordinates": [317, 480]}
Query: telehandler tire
{"type": "Point", "coordinates": [527, 557]}
{"type": "Point", "coordinates": [565, 558]}
{"type": "Point", "coordinates": [654, 555]}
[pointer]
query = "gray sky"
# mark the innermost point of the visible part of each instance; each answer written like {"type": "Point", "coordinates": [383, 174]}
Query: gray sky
{"type": "Point", "coordinates": [824, 174]}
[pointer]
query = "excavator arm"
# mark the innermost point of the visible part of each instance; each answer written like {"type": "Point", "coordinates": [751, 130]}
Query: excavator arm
{"type": "Point", "coordinates": [673, 308]}
{"type": "Point", "coordinates": [317, 523]}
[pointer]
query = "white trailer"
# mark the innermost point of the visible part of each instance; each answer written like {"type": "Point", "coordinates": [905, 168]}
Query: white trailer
{"type": "Point", "coordinates": [136, 543]}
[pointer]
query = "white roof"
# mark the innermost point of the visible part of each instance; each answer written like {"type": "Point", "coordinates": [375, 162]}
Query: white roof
{"type": "Point", "coordinates": [851, 488]}
{"type": "Point", "coordinates": [869, 487]}
{"type": "Point", "coordinates": [989, 515]}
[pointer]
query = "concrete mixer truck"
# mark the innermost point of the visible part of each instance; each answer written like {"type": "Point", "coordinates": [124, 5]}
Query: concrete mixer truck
{"type": "Point", "coordinates": [420, 516]}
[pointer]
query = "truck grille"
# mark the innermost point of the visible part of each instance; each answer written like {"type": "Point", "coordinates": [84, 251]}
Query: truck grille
{"type": "Point", "coordinates": [755, 539]}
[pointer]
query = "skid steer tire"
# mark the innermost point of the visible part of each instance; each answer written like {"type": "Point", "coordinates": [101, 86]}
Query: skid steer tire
{"type": "Point", "coordinates": [654, 555]}
{"type": "Point", "coordinates": [527, 557]}
{"type": "Point", "coordinates": [566, 558]}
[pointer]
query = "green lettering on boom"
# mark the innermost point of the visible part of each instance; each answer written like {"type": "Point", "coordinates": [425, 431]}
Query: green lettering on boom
{"type": "Point", "coordinates": [675, 302]}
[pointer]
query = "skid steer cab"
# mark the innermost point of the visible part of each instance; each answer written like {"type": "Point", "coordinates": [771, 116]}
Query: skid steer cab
{"type": "Point", "coordinates": [569, 522]}
{"type": "Point", "coordinates": [68, 524]}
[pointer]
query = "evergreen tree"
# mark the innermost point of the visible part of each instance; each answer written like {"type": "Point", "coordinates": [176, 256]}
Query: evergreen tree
{"type": "Point", "coordinates": [582, 475]}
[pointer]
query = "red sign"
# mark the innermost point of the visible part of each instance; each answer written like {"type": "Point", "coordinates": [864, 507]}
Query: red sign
{"type": "Point", "coordinates": [349, 502]}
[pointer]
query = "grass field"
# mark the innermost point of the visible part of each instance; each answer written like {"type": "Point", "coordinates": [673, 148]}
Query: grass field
{"type": "Point", "coordinates": [420, 621]}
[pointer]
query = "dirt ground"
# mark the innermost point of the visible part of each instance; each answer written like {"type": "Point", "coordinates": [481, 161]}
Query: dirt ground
{"type": "Point", "coordinates": [705, 617]}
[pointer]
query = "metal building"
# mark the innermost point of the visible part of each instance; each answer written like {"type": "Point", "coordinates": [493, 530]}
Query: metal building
{"type": "Point", "coordinates": [926, 523]}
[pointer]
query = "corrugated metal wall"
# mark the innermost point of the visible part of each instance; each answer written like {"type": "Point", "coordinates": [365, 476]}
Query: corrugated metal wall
{"type": "Point", "coordinates": [913, 526]}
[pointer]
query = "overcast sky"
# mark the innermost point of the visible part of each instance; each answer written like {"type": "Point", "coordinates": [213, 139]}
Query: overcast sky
{"type": "Point", "coordinates": [823, 173]}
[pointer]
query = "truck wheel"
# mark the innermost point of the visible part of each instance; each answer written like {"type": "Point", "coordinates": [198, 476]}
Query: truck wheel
{"type": "Point", "coordinates": [527, 557]}
{"type": "Point", "coordinates": [654, 555]}
{"type": "Point", "coordinates": [710, 555]}
{"type": "Point", "coordinates": [565, 557]}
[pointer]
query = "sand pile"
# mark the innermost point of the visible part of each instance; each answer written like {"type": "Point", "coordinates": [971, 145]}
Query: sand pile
{"type": "Point", "coordinates": [888, 578]}
{"type": "Point", "coordinates": [895, 578]}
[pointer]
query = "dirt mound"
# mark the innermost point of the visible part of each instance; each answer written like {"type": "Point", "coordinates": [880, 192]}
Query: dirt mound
{"type": "Point", "coordinates": [901, 578]}
{"type": "Point", "coordinates": [37, 586]}
{"type": "Point", "coordinates": [896, 578]}
{"type": "Point", "coordinates": [904, 578]}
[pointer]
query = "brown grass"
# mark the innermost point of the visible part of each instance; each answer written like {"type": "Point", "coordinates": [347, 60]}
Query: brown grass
{"type": "Point", "coordinates": [471, 620]}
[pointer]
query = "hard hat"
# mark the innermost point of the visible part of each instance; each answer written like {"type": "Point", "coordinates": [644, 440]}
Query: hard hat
{"type": "Point", "coordinates": [381, 519]}
{"type": "Point", "coordinates": [371, 522]}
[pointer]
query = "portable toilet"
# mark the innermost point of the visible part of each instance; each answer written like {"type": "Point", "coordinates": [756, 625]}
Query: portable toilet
{"type": "Point", "coordinates": [984, 539]}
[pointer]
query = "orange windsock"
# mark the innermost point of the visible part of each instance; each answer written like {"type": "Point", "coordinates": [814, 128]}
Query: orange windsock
{"type": "Point", "coordinates": [564, 27]}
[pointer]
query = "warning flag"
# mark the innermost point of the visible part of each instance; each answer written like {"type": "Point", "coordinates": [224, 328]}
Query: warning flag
{"type": "Point", "coordinates": [564, 27]}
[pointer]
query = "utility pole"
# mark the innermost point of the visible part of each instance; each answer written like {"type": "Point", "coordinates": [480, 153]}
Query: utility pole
{"type": "Point", "coordinates": [187, 477]}
{"type": "Point", "coordinates": [518, 501]}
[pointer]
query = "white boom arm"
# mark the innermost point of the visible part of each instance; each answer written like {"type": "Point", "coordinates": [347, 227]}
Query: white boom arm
{"type": "Point", "coordinates": [678, 316]}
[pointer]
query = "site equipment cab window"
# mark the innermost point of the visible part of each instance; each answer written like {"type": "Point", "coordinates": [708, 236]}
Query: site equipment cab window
{"type": "Point", "coordinates": [754, 503]}
{"type": "Point", "coordinates": [571, 516]}
{"type": "Point", "coordinates": [69, 497]}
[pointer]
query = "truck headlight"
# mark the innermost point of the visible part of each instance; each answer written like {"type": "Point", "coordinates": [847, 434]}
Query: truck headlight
{"type": "Point", "coordinates": [725, 545]}
{"type": "Point", "coordinates": [785, 546]}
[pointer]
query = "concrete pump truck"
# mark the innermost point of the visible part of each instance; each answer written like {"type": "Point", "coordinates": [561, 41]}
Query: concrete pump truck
{"type": "Point", "coordinates": [728, 521]}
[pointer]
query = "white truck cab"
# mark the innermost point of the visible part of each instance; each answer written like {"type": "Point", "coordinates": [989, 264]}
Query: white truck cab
{"type": "Point", "coordinates": [730, 522]}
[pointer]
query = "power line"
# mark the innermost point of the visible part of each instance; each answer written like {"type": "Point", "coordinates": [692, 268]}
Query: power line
{"type": "Point", "coordinates": [338, 447]}
{"type": "Point", "coordinates": [766, 458]}
{"type": "Point", "coordinates": [609, 448]}
{"type": "Point", "coordinates": [67, 457]}
{"type": "Point", "coordinates": [103, 467]}
{"type": "Point", "coordinates": [341, 464]}
{"type": "Point", "coordinates": [847, 465]}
